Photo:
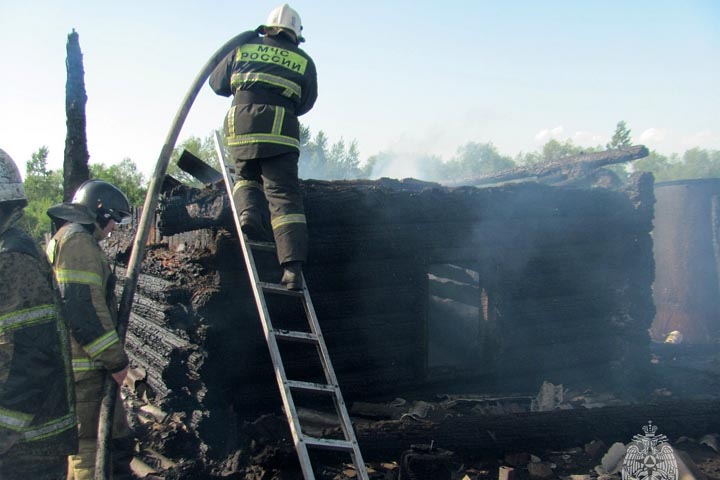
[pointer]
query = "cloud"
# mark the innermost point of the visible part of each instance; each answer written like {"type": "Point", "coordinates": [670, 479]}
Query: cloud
{"type": "Point", "coordinates": [548, 134]}
{"type": "Point", "coordinates": [580, 137]}
{"type": "Point", "coordinates": [653, 135]}
{"type": "Point", "coordinates": [588, 139]}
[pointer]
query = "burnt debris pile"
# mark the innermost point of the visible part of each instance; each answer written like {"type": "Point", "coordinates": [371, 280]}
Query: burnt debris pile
{"type": "Point", "coordinates": [416, 285]}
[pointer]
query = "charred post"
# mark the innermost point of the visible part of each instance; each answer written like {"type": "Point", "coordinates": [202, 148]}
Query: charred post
{"type": "Point", "coordinates": [75, 165]}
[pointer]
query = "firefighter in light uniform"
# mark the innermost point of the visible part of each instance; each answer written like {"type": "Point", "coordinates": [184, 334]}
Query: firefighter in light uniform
{"type": "Point", "coordinates": [272, 82]}
{"type": "Point", "coordinates": [37, 405]}
{"type": "Point", "coordinates": [87, 286]}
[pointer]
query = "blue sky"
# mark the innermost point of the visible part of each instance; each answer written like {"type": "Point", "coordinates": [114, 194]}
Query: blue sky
{"type": "Point", "coordinates": [412, 77]}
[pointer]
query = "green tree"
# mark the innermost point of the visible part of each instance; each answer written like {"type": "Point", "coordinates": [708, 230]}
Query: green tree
{"type": "Point", "coordinates": [43, 189]}
{"type": "Point", "coordinates": [552, 151]}
{"type": "Point", "coordinates": [476, 159]}
{"type": "Point", "coordinates": [313, 156]}
{"type": "Point", "coordinates": [694, 163]}
{"type": "Point", "coordinates": [125, 176]}
{"type": "Point", "coordinates": [655, 163]}
{"type": "Point", "coordinates": [700, 163]}
{"type": "Point", "coordinates": [621, 138]}
{"type": "Point", "coordinates": [343, 160]}
{"type": "Point", "coordinates": [324, 161]}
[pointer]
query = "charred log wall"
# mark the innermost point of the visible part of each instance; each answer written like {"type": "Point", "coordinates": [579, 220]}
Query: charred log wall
{"type": "Point", "coordinates": [565, 277]}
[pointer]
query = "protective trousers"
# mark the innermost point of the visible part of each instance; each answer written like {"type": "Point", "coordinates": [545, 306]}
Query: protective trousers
{"type": "Point", "coordinates": [273, 181]}
{"type": "Point", "coordinates": [89, 392]}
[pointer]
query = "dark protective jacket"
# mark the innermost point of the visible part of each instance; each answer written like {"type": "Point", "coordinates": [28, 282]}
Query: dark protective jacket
{"type": "Point", "coordinates": [37, 404]}
{"type": "Point", "coordinates": [87, 286]}
{"type": "Point", "coordinates": [272, 82]}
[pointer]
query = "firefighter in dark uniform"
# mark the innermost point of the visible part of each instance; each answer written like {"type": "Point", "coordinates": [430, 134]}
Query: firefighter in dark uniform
{"type": "Point", "coordinates": [272, 82]}
{"type": "Point", "coordinates": [87, 286]}
{"type": "Point", "coordinates": [37, 404]}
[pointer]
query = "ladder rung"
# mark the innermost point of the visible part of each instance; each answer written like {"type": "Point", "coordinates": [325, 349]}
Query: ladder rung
{"type": "Point", "coordinates": [262, 246]}
{"type": "Point", "coordinates": [328, 444]}
{"type": "Point", "coordinates": [292, 336]}
{"type": "Point", "coordinates": [311, 387]}
{"type": "Point", "coordinates": [279, 289]}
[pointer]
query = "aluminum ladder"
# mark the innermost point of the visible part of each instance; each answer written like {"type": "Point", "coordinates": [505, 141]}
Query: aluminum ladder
{"type": "Point", "coordinates": [331, 388]}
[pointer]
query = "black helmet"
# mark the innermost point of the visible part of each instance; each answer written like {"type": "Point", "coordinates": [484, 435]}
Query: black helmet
{"type": "Point", "coordinates": [105, 200]}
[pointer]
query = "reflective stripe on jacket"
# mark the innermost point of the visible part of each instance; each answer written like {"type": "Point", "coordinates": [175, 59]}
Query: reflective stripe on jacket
{"type": "Point", "coordinates": [273, 82]}
{"type": "Point", "coordinates": [87, 288]}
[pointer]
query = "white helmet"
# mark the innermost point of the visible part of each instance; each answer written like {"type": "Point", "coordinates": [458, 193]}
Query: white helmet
{"type": "Point", "coordinates": [11, 187]}
{"type": "Point", "coordinates": [286, 17]}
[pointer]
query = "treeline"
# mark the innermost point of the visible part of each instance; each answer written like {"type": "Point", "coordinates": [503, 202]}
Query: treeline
{"type": "Point", "coordinates": [694, 163]}
{"type": "Point", "coordinates": [322, 159]}
{"type": "Point", "coordinates": [478, 159]}
{"type": "Point", "coordinates": [44, 187]}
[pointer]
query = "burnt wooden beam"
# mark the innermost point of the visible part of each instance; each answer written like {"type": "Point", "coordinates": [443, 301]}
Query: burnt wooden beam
{"type": "Point", "coordinates": [347, 206]}
{"type": "Point", "coordinates": [477, 435]}
{"type": "Point", "coordinates": [169, 182]}
{"type": "Point", "coordinates": [575, 166]}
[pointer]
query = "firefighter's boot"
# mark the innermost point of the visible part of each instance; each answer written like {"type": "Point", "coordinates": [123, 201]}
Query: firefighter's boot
{"type": "Point", "coordinates": [292, 276]}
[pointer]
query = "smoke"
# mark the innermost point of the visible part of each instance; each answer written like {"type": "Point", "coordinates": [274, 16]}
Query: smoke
{"type": "Point", "coordinates": [405, 165]}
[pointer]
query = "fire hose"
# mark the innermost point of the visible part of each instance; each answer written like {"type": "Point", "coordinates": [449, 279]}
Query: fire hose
{"type": "Point", "coordinates": [103, 464]}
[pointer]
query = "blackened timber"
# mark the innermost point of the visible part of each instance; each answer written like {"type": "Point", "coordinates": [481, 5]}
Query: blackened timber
{"type": "Point", "coordinates": [198, 169]}
{"type": "Point", "coordinates": [169, 182]}
{"type": "Point", "coordinates": [155, 287]}
{"type": "Point", "coordinates": [571, 167]}
{"type": "Point", "coordinates": [189, 209]}
{"type": "Point", "coordinates": [375, 204]}
{"type": "Point", "coordinates": [153, 348]}
{"type": "Point", "coordinates": [470, 435]}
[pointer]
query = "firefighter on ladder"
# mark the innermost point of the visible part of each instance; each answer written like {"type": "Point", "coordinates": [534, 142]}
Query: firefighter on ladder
{"type": "Point", "coordinates": [38, 428]}
{"type": "Point", "coordinates": [272, 82]}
